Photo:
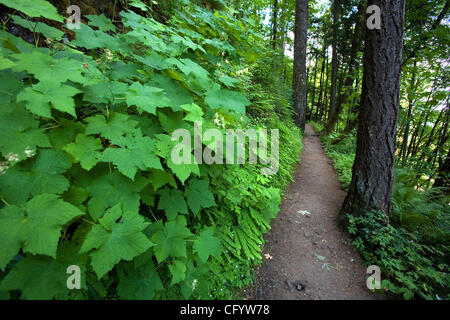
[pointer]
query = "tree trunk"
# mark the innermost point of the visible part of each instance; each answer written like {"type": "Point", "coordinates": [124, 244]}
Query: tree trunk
{"type": "Point", "coordinates": [299, 81]}
{"type": "Point", "coordinates": [409, 115]}
{"type": "Point", "coordinates": [274, 23]}
{"type": "Point", "coordinates": [352, 66]}
{"type": "Point", "coordinates": [313, 87]}
{"type": "Point", "coordinates": [442, 180]}
{"type": "Point", "coordinates": [319, 101]}
{"type": "Point", "coordinates": [334, 58]}
{"type": "Point", "coordinates": [373, 169]}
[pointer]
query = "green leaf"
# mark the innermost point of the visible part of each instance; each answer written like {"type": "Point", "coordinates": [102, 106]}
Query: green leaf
{"type": "Point", "coordinates": [46, 30]}
{"type": "Point", "coordinates": [44, 278]}
{"type": "Point", "coordinates": [116, 238]}
{"type": "Point", "coordinates": [35, 8]}
{"type": "Point", "coordinates": [101, 22]}
{"type": "Point", "coordinates": [109, 189]}
{"type": "Point", "coordinates": [49, 70]}
{"type": "Point", "coordinates": [5, 63]}
{"type": "Point", "coordinates": [178, 271]}
{"type": "Point", "coordinates": [65, 133]}
{"type": "Point", "coordinates": [20, 131]}
{"type": "Point", "coordinates": [207, 244]}
{"type": "Point", "coordinates": [88, 38]}
{"type": "Point", "coordinates": [146, 98]}
{"type": "Point", "coordinates": [117, 125]}
{"type": "Point", "coordinates": [85, 151]}
{"type": "Point", "coordinates": [171, 240]}
{"type": "Point", "coordinates": [172, 202]}
{"type": "Point", "coordinates": [231, 100]}
{"type": "Point", "coordinates": [42, 174]}
{"type": "Point", "coordinates": [195, 113]}
{"type": "Point", "coordinates": [183, 171]}
{"type": "Point", "coordinates": [108, 92]}
{"type": "Point", "coordinates": [159, 178]}
{"type": "Point", "coordinates": [140, 283]}
{"type": "Point", "coordinates": [177, 94]}
{"type": "Point", "coordinates": [135, 152]}
{"type": "Point", "coordinates": [39, 97]}
{"type": "Point", "coordinates": [198, 195]}
{"type": "Point", "coordinates": [35, 226]}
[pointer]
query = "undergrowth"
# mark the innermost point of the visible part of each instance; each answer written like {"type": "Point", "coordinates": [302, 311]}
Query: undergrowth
{"type": "Point", "coordinates": [412, 251]}
{"type": "Point", "coordinates": [86, 177]}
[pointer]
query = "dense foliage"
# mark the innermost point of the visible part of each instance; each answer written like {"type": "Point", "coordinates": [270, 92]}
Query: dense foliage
{"type": "Point", "coordinates": [86, 173]}
{"type": "Point", "coordinates": [412, 251]}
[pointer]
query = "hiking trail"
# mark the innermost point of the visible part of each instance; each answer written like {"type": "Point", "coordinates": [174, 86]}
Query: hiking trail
{"type": "Point", "coordinates": [311, 257]}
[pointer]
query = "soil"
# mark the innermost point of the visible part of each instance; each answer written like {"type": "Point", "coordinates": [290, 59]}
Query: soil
{"type": "Point", "coordinates": [307, 256]}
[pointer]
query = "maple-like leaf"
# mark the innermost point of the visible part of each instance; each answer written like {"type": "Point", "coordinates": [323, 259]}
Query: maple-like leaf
{"type": "Point", "coordinates": [20, 131]}
{"type": "Point", "coordinates": [40, 97]}
{"type": "Point", "coordinates": [44, 278]}
{"type": "Point", "coordinates": [40, 27]}
{"type": "Point", "coordinates": [116, 238]}
{"type": "Point", "coordinates": [85, 150]}
{"type": "Point", "coordinates": [140, 283]}
{"type": "Point", "coordinates": [41, 174]}
{"type": "Point", "coordinates": [48, 69]}
{"type": "Point", "coordinates": [178, 271]}
{"type": "Point", "coordinates": [171, 240]}
{"type": "Point", "coordinates": [34, 226]}
{"type": "Point", "coordinates": [198, 195]}
{"type": "Point", "coordinates": [114, 127]}
{"type": "Point", "coordinates": [35, 8]}
{"type": "Point", "coordinates": [207, 244]}
{"type": "Point", "coordinates": [147, 98]}
{"type": "Point", "coordinates": [109, 189]}
{"type": "Point", "coordinates": [231, 100]}
{"type": "Point", "coordinates": [172, 202]}
{"type": "Point", "coordinates": [135, 152]}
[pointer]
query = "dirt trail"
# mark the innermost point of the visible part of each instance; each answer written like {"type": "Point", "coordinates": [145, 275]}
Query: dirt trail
{"type": "Point", "coordinates": [311, 249]}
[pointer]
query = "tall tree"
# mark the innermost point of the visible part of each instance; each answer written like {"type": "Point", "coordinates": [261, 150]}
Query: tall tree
{"type": "Point", "coordinates": [352, 66]}
{"type": "Point", "coordinates": [373, 169]}
{"type": "Point", "coordinates": [274, 24]}
{"type": "Point", "coordinates": [334, 58]}
{"type": "Point", "coordinates": [299, 74]}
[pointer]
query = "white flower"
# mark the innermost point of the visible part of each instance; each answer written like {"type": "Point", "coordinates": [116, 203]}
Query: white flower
{"type": "Point", "coordinates": [194, 284]}
{"type": "Point", "coordinates": [109, 54]}
{"type": "Point", "coordinates": [3, 167]}
{"type": "Point", "coordinates": [29, 153]}
{"type": "Point", "coordinates": [12, 157]}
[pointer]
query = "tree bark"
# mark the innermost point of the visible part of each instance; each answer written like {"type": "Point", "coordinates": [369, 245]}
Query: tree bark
{"type": "Point", "coordinates": [353, 65]}
{"type": "Point", "coordinates": [334, 59]}
{"type": "Point", "coordinates": [443, 180]}
{"type": "Point", "coordinates": [275, 26]}
{"type": "Point", "coordinates": [373, 169]}
{"type": "Point", "coordinates": [409, 115]}
{"type": "Point", "coordinates": [299, 73]}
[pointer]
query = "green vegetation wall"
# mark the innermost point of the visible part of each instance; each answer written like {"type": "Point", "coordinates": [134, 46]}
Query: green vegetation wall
{"type": "Point", "coordinates": [86, 177]}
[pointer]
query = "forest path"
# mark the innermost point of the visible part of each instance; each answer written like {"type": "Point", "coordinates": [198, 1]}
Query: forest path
{"type": "Point", "coordinates": [311, 249]}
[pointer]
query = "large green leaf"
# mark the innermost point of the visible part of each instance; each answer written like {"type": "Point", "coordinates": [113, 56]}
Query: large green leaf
{"type": "Point", "coordinates": [131, 152]}
{"type": "Point", "coordinates": [198, 195]}
{"type": "Point", "coordinates": [35, 8]}
{"type": "Point", "coordinates": [171, 241]}
{"type": "Point", "coordinates": [116, 238]}
{"type": "Point", "coordinates": [20, 131]}
{"type": "Point", "coordinates": [41, 174]}
{"type": "Point", "coordinates": [207, 244]}
{"type": "Point", "coordinates": [85, 150]}
{"type": "Point", "coordinates": [35, 226]}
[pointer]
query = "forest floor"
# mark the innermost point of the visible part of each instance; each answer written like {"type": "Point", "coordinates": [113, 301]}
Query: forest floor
{"type": "Point", "coordinates": [311, 257]}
